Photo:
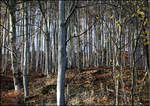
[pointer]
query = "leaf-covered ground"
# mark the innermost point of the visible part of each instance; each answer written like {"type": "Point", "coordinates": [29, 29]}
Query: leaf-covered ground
{"type": "Point", "coordinates": [93, 86]}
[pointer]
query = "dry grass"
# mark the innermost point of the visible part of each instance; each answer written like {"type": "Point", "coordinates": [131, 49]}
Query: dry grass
{"type": "Point", "coordinates": [90, 87]}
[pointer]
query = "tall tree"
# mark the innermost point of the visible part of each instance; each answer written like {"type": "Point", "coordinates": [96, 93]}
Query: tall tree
{"type": "Point", "coordinates": [26, 52]}
{"type": "Point", "coordinates": [14, 54]}
{"type": "Point", "coordinates": [47, 38]}
{"type": "Point", "coordinates": [61, 54]}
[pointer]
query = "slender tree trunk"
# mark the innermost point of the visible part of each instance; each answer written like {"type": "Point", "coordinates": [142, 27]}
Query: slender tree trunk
{"type": "Point", "coordinates": [55, 48]}
{"type": "Point", "coordinates": [14, 54]}
{"type": "Point", "coordinates": [47, 60]}
{"type": "Point", "coordinates": [47, 50]}
{"type": "Point", "coordinates": [37, 53]}
{"type": "Point", "coordinates": [117, 74]}
{"type": "Point", "coordinates": [56, 35]}
{"type": "Point", "coordinates": [25, 69]}
{"type": "Point", "coordinates": [102, 43]}
{"type": "Point", "coordinates": [78, 42]}
{"type": "Point", "coordinates": [4, 56]}
{"type": "Point", "coordinates": [133, 74]}
{"type": "Point", "coordinates": [61, 55]}
{"type": "Point", "coordinates": [149, 50]}
{"type": "Point", "coordinates": [147, 47]}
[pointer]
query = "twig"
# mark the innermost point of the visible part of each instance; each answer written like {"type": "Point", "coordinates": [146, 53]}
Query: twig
{"type": "Point", "coordinates": [73, 10]}
{"type": "Point", "coordinates": [81, 33]}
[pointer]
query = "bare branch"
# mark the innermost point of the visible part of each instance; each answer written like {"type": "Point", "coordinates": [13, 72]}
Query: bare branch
{"type": "Point", "coordinates": [82, 32]}
{"type": "Point", "coordinates": [5, 28]}
{"type": "Point", "coordinates": [71, 13]}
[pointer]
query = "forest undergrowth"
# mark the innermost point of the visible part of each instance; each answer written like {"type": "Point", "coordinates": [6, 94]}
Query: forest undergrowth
{"type": "Point", "coordinates": [92, 86]}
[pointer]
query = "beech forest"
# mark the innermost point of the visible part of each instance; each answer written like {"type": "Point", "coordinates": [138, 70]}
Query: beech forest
{"type": "Point", "coordinates": [74, 52]}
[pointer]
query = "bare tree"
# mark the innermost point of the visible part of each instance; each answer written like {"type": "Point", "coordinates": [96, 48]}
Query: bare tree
{"type": "Point", "coordinates": [14, 53]}
{"type": "Point", "coordinates": [26, 52]}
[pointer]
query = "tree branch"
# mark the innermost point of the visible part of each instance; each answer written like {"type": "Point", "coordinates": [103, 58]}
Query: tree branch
{"type": "Point", "coordinates": [97, 4]}
{"type": "Point", "coordinates": [82, 32]}
{"type": "Point", "coordinates": [5, 28]}
{"type": "Point", "coordinates": [73, 10]}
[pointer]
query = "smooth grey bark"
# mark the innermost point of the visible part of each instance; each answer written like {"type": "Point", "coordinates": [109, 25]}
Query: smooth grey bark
{"type": "Point", "coordinates": [55, 47]}
{"type": "Point", "coordinates": [115, 69]}
{"type": "Point", "coordinates": [61, 54]}
{"type": "Point", "coordinates": [90, 42]}
{"type": "Point", "coordinates": [48, 53]}
{"type": "Point", "coordinates": [115, 73]}
{"type": "Point", "coordinates": [120, 57]}
{"type": "Point", "coordinates": [57, 30]}
{"type": "Point", "coordinates": [4, 55]}
{"type": "Point", "coordinates": [22, 51]}
{"type": "Point", "coordinates": [32, 45]}
{"type": "Point", "coordinates": [26, 52]}
{"type": "Point", "coordinates": [86, 49]}
{"type": "Point", "coordinates": [99, 45]}
{"type": "Point", "coordinates": [78, 42]}
{"type": "Point", "coordinates": [28, 34]}
{"type": "Point", "coordinates": [71, 53]}
{"type": "Point", "coordinates": [37, 53]}
{"type": "Point", "coordinates": [78, 53]}
{"type": "Point", "coordinates": [110, 47]}
{"type": "Point", "coordinates": [14, 54]}
{"type": "Point", "coordinates": [69, 48]}
{"type": "Point", "coordinates": [102, 43]}
{"type": "Point", "coordinates": [84, 44]}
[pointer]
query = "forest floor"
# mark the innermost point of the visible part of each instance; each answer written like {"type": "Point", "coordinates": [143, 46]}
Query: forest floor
{"type": "Point", "coordinates": [92, 86]}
